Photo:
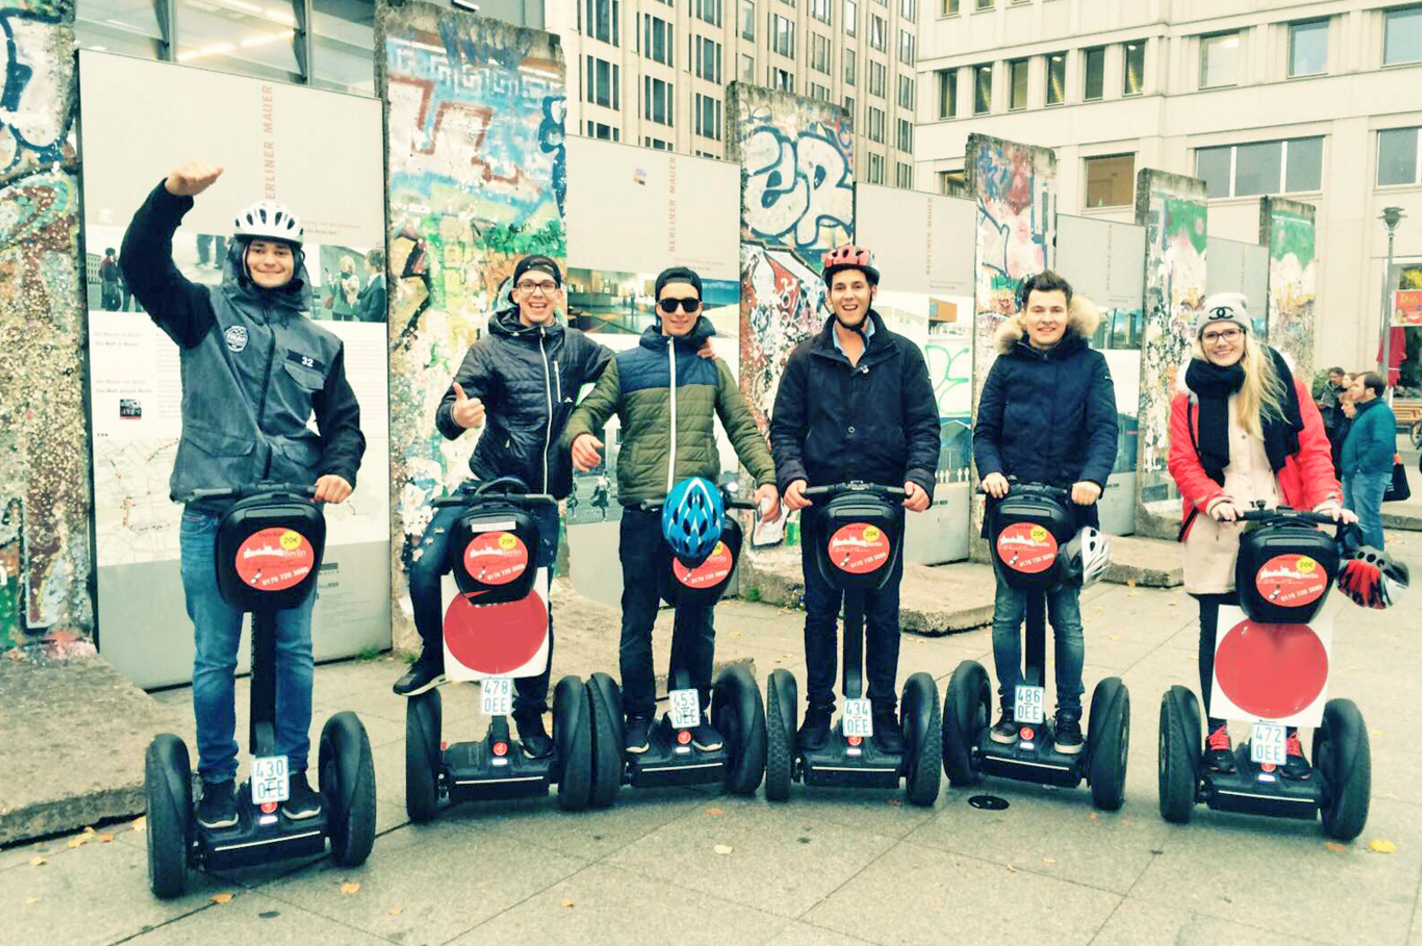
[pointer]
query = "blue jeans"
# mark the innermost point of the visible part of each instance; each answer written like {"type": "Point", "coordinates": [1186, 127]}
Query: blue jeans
{"type": "Point", "coordinates": [1363, 493]}
{"type": "Point", "coordinates": [217, 631]}
{"type": "Point", "coordinates": [1064, 611]}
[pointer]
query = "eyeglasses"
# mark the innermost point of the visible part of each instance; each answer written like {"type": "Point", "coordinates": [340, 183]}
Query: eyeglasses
{"type": "Point", "coordinates": [687, 305]}
{"type": "Point", "coordinates": [1228, 335]}
{"type": "Point", "coordinates": [546, 287]}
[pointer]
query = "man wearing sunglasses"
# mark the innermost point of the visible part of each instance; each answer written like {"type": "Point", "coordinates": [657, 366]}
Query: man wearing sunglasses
{"type": "Point", "coordinates": [667, 401]}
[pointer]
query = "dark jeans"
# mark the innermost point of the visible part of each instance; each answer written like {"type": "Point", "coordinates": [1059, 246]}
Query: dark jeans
{"type": "Point", "coordinates": [1209, 629]}
{"type": "Point", "coordinates": [693, 632]}
{"type": "Point", "coordinates": [881, 629]}
{"type": "Point", "coordinates": [431, 564]}
{"type": "Point", "coordinates": [1363, 493]}
{"type": "Point", "coordinates": [1064, 613]}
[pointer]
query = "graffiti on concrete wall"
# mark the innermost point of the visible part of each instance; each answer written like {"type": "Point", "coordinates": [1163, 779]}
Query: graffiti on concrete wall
{"type": "Point", "coordinates": [477, 178]}
{"type": "Point", "coordinates": [1287, 228]}
{"type": "Point", "coordinates": [44, 455]}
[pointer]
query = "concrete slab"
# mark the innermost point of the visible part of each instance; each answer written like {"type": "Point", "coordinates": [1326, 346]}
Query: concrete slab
{"type": "Point", "coordinates": [251, 915]}
{"type": "Point", "coordinates": [1152, 563]}
{"type": "Point", "coordinates": [805, 934]}
{"type": "Point", "coordinates": [1139, 923]}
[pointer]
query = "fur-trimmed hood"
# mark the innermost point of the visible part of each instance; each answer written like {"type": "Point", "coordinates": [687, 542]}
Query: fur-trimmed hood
{"type": "Point", "coordinates": [1082, 319]}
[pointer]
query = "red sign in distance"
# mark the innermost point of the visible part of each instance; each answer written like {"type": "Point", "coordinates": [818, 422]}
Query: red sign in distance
{"type": "Point", "coordinates": [274, 559]}
{"type": "Point", "coordinates": [709, 573]}
{"type": "Point", "coordinates": [1027, 547]}
{"type": "Point", "coordinates": [1271, 670]}
{"type": "Point", "coordinates": [495, 558]}
{"type": "Point", "coordinates": [859, 548]}
{"type": "Point", "coordinates": [1291, 581]}
{"type": "Point", "coordinates": [495, 639]}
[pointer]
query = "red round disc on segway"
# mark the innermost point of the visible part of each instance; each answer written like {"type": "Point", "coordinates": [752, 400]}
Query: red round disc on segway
{"type": "Point", "coordinates": [1271, 670]}
{"type": "Point", "coordinates": [709, 573]}
{"type": "Point", "coordinates": [859, 548]}
{"type": "Point", "coordinates": [1027, 733]}
{"type": "Point", "coordinates": [684, 736]}
{"type": "Point", "coordinates": [1291, 580]}
{"type": "Point", "coordinates": [274, 559]}
{"type": "Point", "coordinates": [1027, 547]}
{"type": "Point", "coordinates": [495, 558]}
{"type": "Point", "coordinates": [495, 639]}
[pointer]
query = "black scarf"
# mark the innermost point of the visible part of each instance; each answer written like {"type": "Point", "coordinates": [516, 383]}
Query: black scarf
{"type": "Point", "coordinates": [1213, 385]}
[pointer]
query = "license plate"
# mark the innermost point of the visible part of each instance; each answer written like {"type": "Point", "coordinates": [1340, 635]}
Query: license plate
{"type": "Point", "coordinates": [858, 718]}
{"type": "Point", "coordinates": [270, 780]}
{"type": "Point", "coordinates": [1266, 744]}
{"type": "Point", "coordinates": [1030, 704]}
{"type": "Point", "coordinates": [496, 696]}
{"type": "Point", "coordinates": [685, 708]}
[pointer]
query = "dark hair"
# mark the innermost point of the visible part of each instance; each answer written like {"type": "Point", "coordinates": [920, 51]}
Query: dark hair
{"type": "Point", "coordinates": [1045, 281]}
{"type": "Point", "coordinates": [110, 251]}
{"type": "Point", "coordinates": [1336, 371]}
{"type": "Point", "coordinates": [1374, 382]}
{"type": "Point", "coordinates": [376, 258]}
{"type": "Point", "coordinates": [678, 274]}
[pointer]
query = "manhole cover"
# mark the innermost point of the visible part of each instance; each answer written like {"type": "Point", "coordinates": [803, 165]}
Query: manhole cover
{"type": "Point", "coordinates": [988, 802]}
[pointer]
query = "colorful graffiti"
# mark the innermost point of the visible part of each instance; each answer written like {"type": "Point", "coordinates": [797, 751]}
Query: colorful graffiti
{"type": "Point", "coordinates": [1287, 228]}
{"type": "Point", "coordinates": [478, 178]}
{"type": "Point", "coordinates": [44, 452]}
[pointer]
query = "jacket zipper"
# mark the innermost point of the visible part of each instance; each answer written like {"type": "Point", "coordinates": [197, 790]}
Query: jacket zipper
{"type": "Point", "coordinates": [671, 451]}
{"type": "Point", "coordinates": [266, 384]}
{"type": "Point", "coordinates": [548, 389]}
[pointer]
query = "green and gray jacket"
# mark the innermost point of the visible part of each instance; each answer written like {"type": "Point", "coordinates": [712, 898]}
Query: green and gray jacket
{"type": "Point", "coordinates": [667, 398]}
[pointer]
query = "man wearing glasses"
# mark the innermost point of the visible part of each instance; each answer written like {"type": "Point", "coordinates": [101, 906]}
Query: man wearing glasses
{"type": "Point", "coordinates": [668, 402]}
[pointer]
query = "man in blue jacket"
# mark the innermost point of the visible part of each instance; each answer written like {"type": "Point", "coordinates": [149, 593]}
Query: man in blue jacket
{"type": "Point", "coordinates": [1366, 461]}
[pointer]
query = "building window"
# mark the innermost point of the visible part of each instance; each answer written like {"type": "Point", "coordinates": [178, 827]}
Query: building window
{"type": "Point", "coordinates": [782, 79]}
{"type": "Point", "coordinates": [876, 168]}
{"type": "Point", "coordinates": [1095, 88]}
{"type": "Point", "coordinates": [342, 40]}
{"type": "Point", "coordinates": [820, 53]}
{"type": "Point", "coordinates": [850, 58]}
{"type": "Point", "coordinates": [708, 59]}
{"type": "Point", "coordinates": [657, 40]}
{"type": "Point", "coordinates": [602, 20]}
{"type": "Point", "coordinates": [950, 8]}
{"type": "Point", "coordinates": [849, 107]}
{"type": "Point", "coordinates": [1111, 180]}
{"type": "Point", "coordinates": [952, 182]}
{"type": "Point", "coordinates": [748, 19]}
{"type": "Point", "coordinates": [905, 135]}
{"type": "Point", "coordinates": [657, 101]}
{"type": "Point", "coordinates": [782, 35]}
{"type": "Point", "coordinates": [709, 11]}
{"type": "Point", "coordinates": [1017, 84]}
{"type": "Point", "coordinates": [820, 10]}
{"type": "Point", "coordinates": [982, 89]}
{"type": "Point", "coordinates": [747, 68]}
{"type": "Point", "coordinates": [985, 4]}
{"type": "Point", "coordinates": [878, 33]}
{"type": "Point", "coordinates": [604, 85]}
{"type": "Point", "coordinates": [708, 117]}
{"type": "Point", "coordinates": [605, 132]}
{"type": "Point", "coordinates": [1402, 40]}
{"type": "Point", "coordinates": [656, 144]}
{"type": "Point", "coordinates": [906, 47]}
{"type": "Point", "coordinates": [820, 92]}
{"type": "Point", "coordinates": [1056, 78]}
{"type": "Point", "coordinates": [1397, 156]}
{"type": "Point", "coordinates": [851, 19]}
{"type": "Point", "coordinates": [904, 176]}
{"type": "Point", "coordinates": [878, 76]}
{"type": "Point", "coordinates": [1259, 168]}
{"type": "Point", "coordinates": [908, 9]}
{"type": "Point", "coordinates": [947, 93]}
{"type": "Point", "coordinates": [1219, 60]}
{"type": "Point", "coordinates": [876, 124]}
{"type": "Point", "coordinates": [906, 92]}
{"type": "Point", "coordinates": [1308, 48]}
{"type": "Point", "coordinates": [1133, 81]}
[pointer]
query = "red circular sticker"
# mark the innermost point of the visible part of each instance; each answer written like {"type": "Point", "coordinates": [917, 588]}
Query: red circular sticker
{"type": "Point", "coordinates": [1291, 581]}
{"type": "Point", "coordinates": [859, 548]}
{"type": "Point", "coordinates": [495, 558]}
{"type": "Point", "coordinates": [275, 559]}
{"type": "Point", "coordinates": [1027, 733]}
{"type": "Point", "coordinates": [495, 639]}
{"type": "Point", "coordinates": [1271, 670]}
{"type": "Point", "coordinates": [1027, 547]}
{"type": "Point", "coordinates": [709, 573]}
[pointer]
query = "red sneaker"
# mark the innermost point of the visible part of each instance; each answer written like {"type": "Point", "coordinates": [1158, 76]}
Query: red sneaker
{"type": "Point", "coordinates": [1219, 751]}
{"type": "Point", "coordinates": [1295, 765]}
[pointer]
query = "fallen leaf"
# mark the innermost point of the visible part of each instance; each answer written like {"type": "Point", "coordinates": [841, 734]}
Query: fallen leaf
{"type": "Point", "coordinates": [394, 911]}
{"type": "Point", "coordinates": [1113, 637]}
{"type": "Point", "coordinates": [1335, 847]}
{"type": "Point", "coordinates": [1011, 869]}
{"type": "Point", "coordinates": [88, 830]}
{"type": "Point", "coordinates": [105, 838]}
{"type": "Point", "coordinates": [715, 812]}
{"type": "Point", "coordinates": [141, 824]}
{"type": "Point", "coordinates": [1377, 732]}
{"type": "Point", "coordinates": [1049, 861]}
{"type": "Point", "coordinates": [1093, 816]}
{"type": "Point", "coordinates": [350, 887]}
{"type": "Point", "coordinates": [896, 802]}
{"type": "Point", "coordinates": [1130, 582]}
{"type": "Point", "coordinates": [77, 841]}
{"type": "Point", "coordinates": [735, 633]}
{"type": "Point", "coordinates": [32, 900]}
{"type": "Point", "coordinates": [1382, 847]}
{"type": "Point", "coordinates": [568, 904]}
{"type": "Point", "coordinates": [38, 861]}
{"type": "Point", "coordinates": [723, 849]}
{"type": "Point", "coordinates": [220, 897]}
{"type": "Point", "coordinates": [1125, 821]}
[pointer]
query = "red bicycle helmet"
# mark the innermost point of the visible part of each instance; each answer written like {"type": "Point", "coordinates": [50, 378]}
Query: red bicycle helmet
{"type": "Point", "coordinates": [850, 256]}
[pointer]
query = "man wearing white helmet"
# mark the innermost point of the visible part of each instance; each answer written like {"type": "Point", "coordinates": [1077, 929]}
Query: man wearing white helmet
{"type": "Point", "coordinates": [254, 371]}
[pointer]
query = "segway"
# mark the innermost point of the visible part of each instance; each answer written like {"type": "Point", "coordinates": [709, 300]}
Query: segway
{"type": "Point", "coordinates": [496, 627]}
{"type": "Point", "coordinates": [269, 547]}
{"type": "Point", "coordinates": [1027, 530]}
{"type": "Point", "coordinates": [855, 551]}
{"type": "Point", "coordinates": [736, 708]}
{"type": "Point", "coordinates": [1285, 570]}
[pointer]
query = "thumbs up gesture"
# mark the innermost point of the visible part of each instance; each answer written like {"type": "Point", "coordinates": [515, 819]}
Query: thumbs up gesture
{"type": "Point", "coordinates": [468, 411]}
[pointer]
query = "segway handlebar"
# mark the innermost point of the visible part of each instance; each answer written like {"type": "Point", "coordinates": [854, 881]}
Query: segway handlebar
{"type": "Point", "coordinates": [855, 486]}
{"type": "Point", "coordinates": [505, 488]}
{"type": "Point", "coordinates": [1044, 489]}
{"type": "Point", "coordinates": [1286, 513]}
{"type": "Point", "coordinates": [305, 490]}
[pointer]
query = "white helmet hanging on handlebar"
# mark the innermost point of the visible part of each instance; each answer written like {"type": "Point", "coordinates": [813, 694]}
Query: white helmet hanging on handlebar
{"type": "Point", "coordinates": [1086, 557]}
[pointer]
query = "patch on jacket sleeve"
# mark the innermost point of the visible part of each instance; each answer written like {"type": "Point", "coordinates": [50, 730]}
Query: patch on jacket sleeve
{"type": "Point", "coordinates": [236, 338]}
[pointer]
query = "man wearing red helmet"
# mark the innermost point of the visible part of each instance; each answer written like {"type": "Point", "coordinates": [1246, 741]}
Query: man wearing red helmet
{"type": "Point", "coordinates": [854, 403]}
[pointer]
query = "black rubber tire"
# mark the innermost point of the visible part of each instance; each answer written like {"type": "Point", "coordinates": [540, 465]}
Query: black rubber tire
{"type": "Point", "coordinates": [168, 787]}
{"type": "Point", "coordinates": [923, 728]}
{"type": "Point", "coordinates": [967, 708]}
{"type": "Point", "coordinates": [1179, 755]}
{"type": "Point", "coordinates": [605, 701]}
{"type": "Point", "coordinates": [1110, 744]}
{"type": "Point", "coordinates": [348, 788]}
{"type": "Point", "coordinates": [571, 710]}
{"type": "Point", "coordinates": [737, 711]}
{"type": "Point", "coordinates": [423, 732]}
{"type": "Point", "coordinates": [1343, 756]}
{"type": "Point", "coordinates": [781, 702]}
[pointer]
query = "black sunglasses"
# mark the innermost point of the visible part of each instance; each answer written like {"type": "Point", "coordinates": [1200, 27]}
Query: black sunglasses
{"type": "Point", "coordinates": [687, 305]}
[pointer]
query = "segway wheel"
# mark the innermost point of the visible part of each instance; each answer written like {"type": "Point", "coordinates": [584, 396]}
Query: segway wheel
{"type": "Point", "coordinates": [1109, 732]}
{"type": "Point", "coordinates": [966, 708]}
{"type": "Point", "coordinates": [781, 700]}
{"type": "Point", "coordinates": [1180, 754]}
{"type": "Point", "coordinates": [348, 788]}
{"type": "Point", "coordinates": [168, 785]}
{"type": "Point", "coordinates": [736, 710]}
{"type": "Point", "coordinates": [605, 701]}
{"type": "Point", "coordinates": [423, 731]}
{"type": "Point", "coordinates": [1342, 755]}
{"type": "Point", "coordinates": [923, 724]}
{"type": "Point", "coordinates": [572, 735]}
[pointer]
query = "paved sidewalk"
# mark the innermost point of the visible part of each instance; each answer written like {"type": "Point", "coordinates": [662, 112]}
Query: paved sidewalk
{"type": "Point", "coordinates": [828, 867]}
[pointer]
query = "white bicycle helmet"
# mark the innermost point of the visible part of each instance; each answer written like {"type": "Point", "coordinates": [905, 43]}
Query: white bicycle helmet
{"type": "Point", "coordinates": [1086, 557]}
{"type": "Point", "coordinates": [268, 220]}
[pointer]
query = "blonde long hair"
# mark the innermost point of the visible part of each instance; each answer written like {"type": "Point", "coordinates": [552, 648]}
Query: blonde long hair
{"type": "Point", "coordinates": [1262, 393]}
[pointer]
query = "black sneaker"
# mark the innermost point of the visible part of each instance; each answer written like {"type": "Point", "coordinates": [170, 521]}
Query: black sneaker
{"type": "Point", "coordinates": [814, 731]}
{"type": "Point", "coordinates": [636, 734]}
{"type": "Point", "coordinates": [218, 808]}
{"type": "Point", "coordinates": [303, 802]}
{"type": "Point", "coordinates": [705, 736]}
{"type": "Point", "coordinates": [1069, 739]}
{"type": "Point", "coordinates": [888, 736]}
{"type": "Point", "coordinates": [1295, 765]}
{"type": "Point", "coordinates": [1005, 731]}
{"type": "Point", "coordinates": [532, 736]}
{"type": "Point", "coordinates": [424, 674]}
{"type": "Point", "coordinates": [1219, 753]}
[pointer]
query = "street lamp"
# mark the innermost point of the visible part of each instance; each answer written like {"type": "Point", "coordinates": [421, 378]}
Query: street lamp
{"type": "Point", "coordinates": [1391, 217]}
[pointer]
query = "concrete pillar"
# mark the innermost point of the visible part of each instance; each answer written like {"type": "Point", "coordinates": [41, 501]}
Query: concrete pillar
{"type": "Point", "coordinates": [1287, 228]}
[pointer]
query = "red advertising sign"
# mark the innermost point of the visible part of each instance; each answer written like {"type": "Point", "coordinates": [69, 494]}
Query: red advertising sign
{"type": "Point", "coordinates": [495, 558]}
{"type": "Point", "coordinates": [859, 548]}
{"type": "Point", "coordinates": [1027, 547]}
{"type": "Point", "coordinates": [1291, 581]}
{"type": "Point", "coordinates": [709, 573]}
{"type": "Point", "coordinates": [1407, 307]}
{"type": "Point", "coordinates": [275, 559]}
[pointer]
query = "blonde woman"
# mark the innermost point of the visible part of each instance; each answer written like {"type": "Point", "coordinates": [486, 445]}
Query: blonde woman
{"type": "Point", "coordinates": [1242, 430]}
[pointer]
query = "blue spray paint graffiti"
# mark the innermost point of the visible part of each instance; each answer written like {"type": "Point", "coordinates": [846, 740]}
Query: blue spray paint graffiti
{"type": "Point", "coordinates": [798, 189]}
{"type": "Point", "coordinates": [36, 113]}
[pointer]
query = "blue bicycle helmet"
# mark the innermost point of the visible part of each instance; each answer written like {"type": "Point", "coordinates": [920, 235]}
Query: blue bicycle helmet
{"type": "Point", "coordinates": [691, 519]}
